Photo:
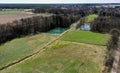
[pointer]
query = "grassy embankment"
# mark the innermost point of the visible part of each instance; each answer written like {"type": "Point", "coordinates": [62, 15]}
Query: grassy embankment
{"type": "Point", "coordinates": [66, 56]}
{"type": "Point", "coordinates": [22, 47]}
{"type": "Point", "coordinates": [11, 11]}
{"type": "Point", "coordinates": [90, 18]}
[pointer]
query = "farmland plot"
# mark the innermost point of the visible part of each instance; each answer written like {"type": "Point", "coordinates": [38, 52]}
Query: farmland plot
{"type": "Point", "coordinates": [63, 57]}
{"type": "Point", "coordinates": [22, 47]}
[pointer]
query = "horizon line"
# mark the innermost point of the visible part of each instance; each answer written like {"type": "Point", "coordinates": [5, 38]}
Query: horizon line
{"type": "Point", "coordinates": [59, 3]}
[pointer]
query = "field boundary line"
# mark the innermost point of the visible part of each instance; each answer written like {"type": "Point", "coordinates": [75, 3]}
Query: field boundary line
{"type": "Point", "coordinates": [116, 60]}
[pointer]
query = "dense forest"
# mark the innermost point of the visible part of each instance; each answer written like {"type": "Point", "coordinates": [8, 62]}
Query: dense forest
{"type": "Point", "coordinates": [108, 18]}
{"type": "Point", "coordinates": [105, 24]}
{"type": "Point", "coordinates": [81, 11]}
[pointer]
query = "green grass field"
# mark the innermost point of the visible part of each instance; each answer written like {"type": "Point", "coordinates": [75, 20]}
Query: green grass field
{"type": "Point", "coordinates": [63, 57]}
{"type": "Point", "coordinates": [11, 12]}
{"type": "Point", "coordinates": [90, 18]}
{"type": "Point", "coordinates": [21, 47]}
{"type": "Point", "coordinates": [86, 37]}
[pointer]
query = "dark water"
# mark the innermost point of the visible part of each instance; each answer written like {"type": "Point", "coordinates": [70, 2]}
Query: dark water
{"type": "Point", "coordinates": [57, 30]}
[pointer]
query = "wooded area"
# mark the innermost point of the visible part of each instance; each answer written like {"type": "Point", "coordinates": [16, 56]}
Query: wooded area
{"type": "Point", "coordinates": [108, 19]}
{"type": "Point", "coordinates": [33, 25]}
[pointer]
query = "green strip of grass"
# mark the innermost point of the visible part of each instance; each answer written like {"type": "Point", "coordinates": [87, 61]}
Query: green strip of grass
{"type": "Point", "coordinates": [91, 18]}
{"type": "Point", "coordinates": [86, 37]}
{"type": "Point", "coordinates": [11, 12]}
{"type": "Point", "coordinates": [63, 57]}
{"type": "Point", "coordinates": [22, 47]}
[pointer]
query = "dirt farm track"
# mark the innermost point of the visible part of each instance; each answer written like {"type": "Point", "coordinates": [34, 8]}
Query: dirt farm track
{"type": "Point", "coordinates": [8, 18]}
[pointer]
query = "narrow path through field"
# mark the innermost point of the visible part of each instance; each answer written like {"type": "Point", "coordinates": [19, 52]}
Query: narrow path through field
{"type": "Point", "coordinates": [89, 45]}
{"type": "Point", "coordinates": [40, 50]}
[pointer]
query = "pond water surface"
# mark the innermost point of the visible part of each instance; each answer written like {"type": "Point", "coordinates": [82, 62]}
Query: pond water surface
{"type": "Point", "coordinates": [57, 30]}
{"type": "Point", "coordinates": [85, 27]}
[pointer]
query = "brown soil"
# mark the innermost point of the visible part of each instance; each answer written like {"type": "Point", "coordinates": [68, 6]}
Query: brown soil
{"type": "Point", "coordinates": [8, 18]}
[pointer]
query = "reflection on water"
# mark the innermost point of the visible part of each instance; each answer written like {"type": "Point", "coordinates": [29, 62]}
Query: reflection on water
{"type": "Point", "coordinates": [57, 30]}
{"type": "Point", "coordinates": [85, 27]}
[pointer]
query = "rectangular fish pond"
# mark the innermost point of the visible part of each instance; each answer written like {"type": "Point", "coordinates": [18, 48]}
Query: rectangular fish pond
{"type": "Point", "coordinates": [57, 30]}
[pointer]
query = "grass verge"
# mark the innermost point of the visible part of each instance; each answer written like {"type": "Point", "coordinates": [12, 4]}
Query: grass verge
{"type": "Point", "coordinates": [11, 12]}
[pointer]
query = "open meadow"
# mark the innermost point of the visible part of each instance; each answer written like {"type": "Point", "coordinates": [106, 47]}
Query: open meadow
{"type": "Point", "coordinates": [67, 56]}
{"type": "Point", "coordinates": [63, 57]}
{"type": "Point", "coordinates": [22, 47]}
{"type": "Point", "coordinates": [86, 37]}
{"type": "Point", "coordinates": [75, 52]}
{"type": "Point", "coordinates": [59, 38]}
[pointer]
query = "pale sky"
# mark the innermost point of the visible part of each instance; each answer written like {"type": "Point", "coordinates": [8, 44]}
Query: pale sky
{"type": "Point", "coordinates": [59, 1]}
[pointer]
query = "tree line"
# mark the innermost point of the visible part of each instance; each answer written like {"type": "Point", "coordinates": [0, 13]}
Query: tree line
{"type": "Point", "coordinates": [33, 25]}
{"type": "Point", "coordinates": [81, 11]}
{"type": "Point", "coordinates": [113, 48]}
{"type": "Point", "coordinates": [108, 18]}
{"type": "Point", "coordinates": [104, 24]}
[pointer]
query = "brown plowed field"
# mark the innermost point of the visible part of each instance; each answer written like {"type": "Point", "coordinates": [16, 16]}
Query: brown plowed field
{"type": "Point", "coordinates": [8, 18]}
